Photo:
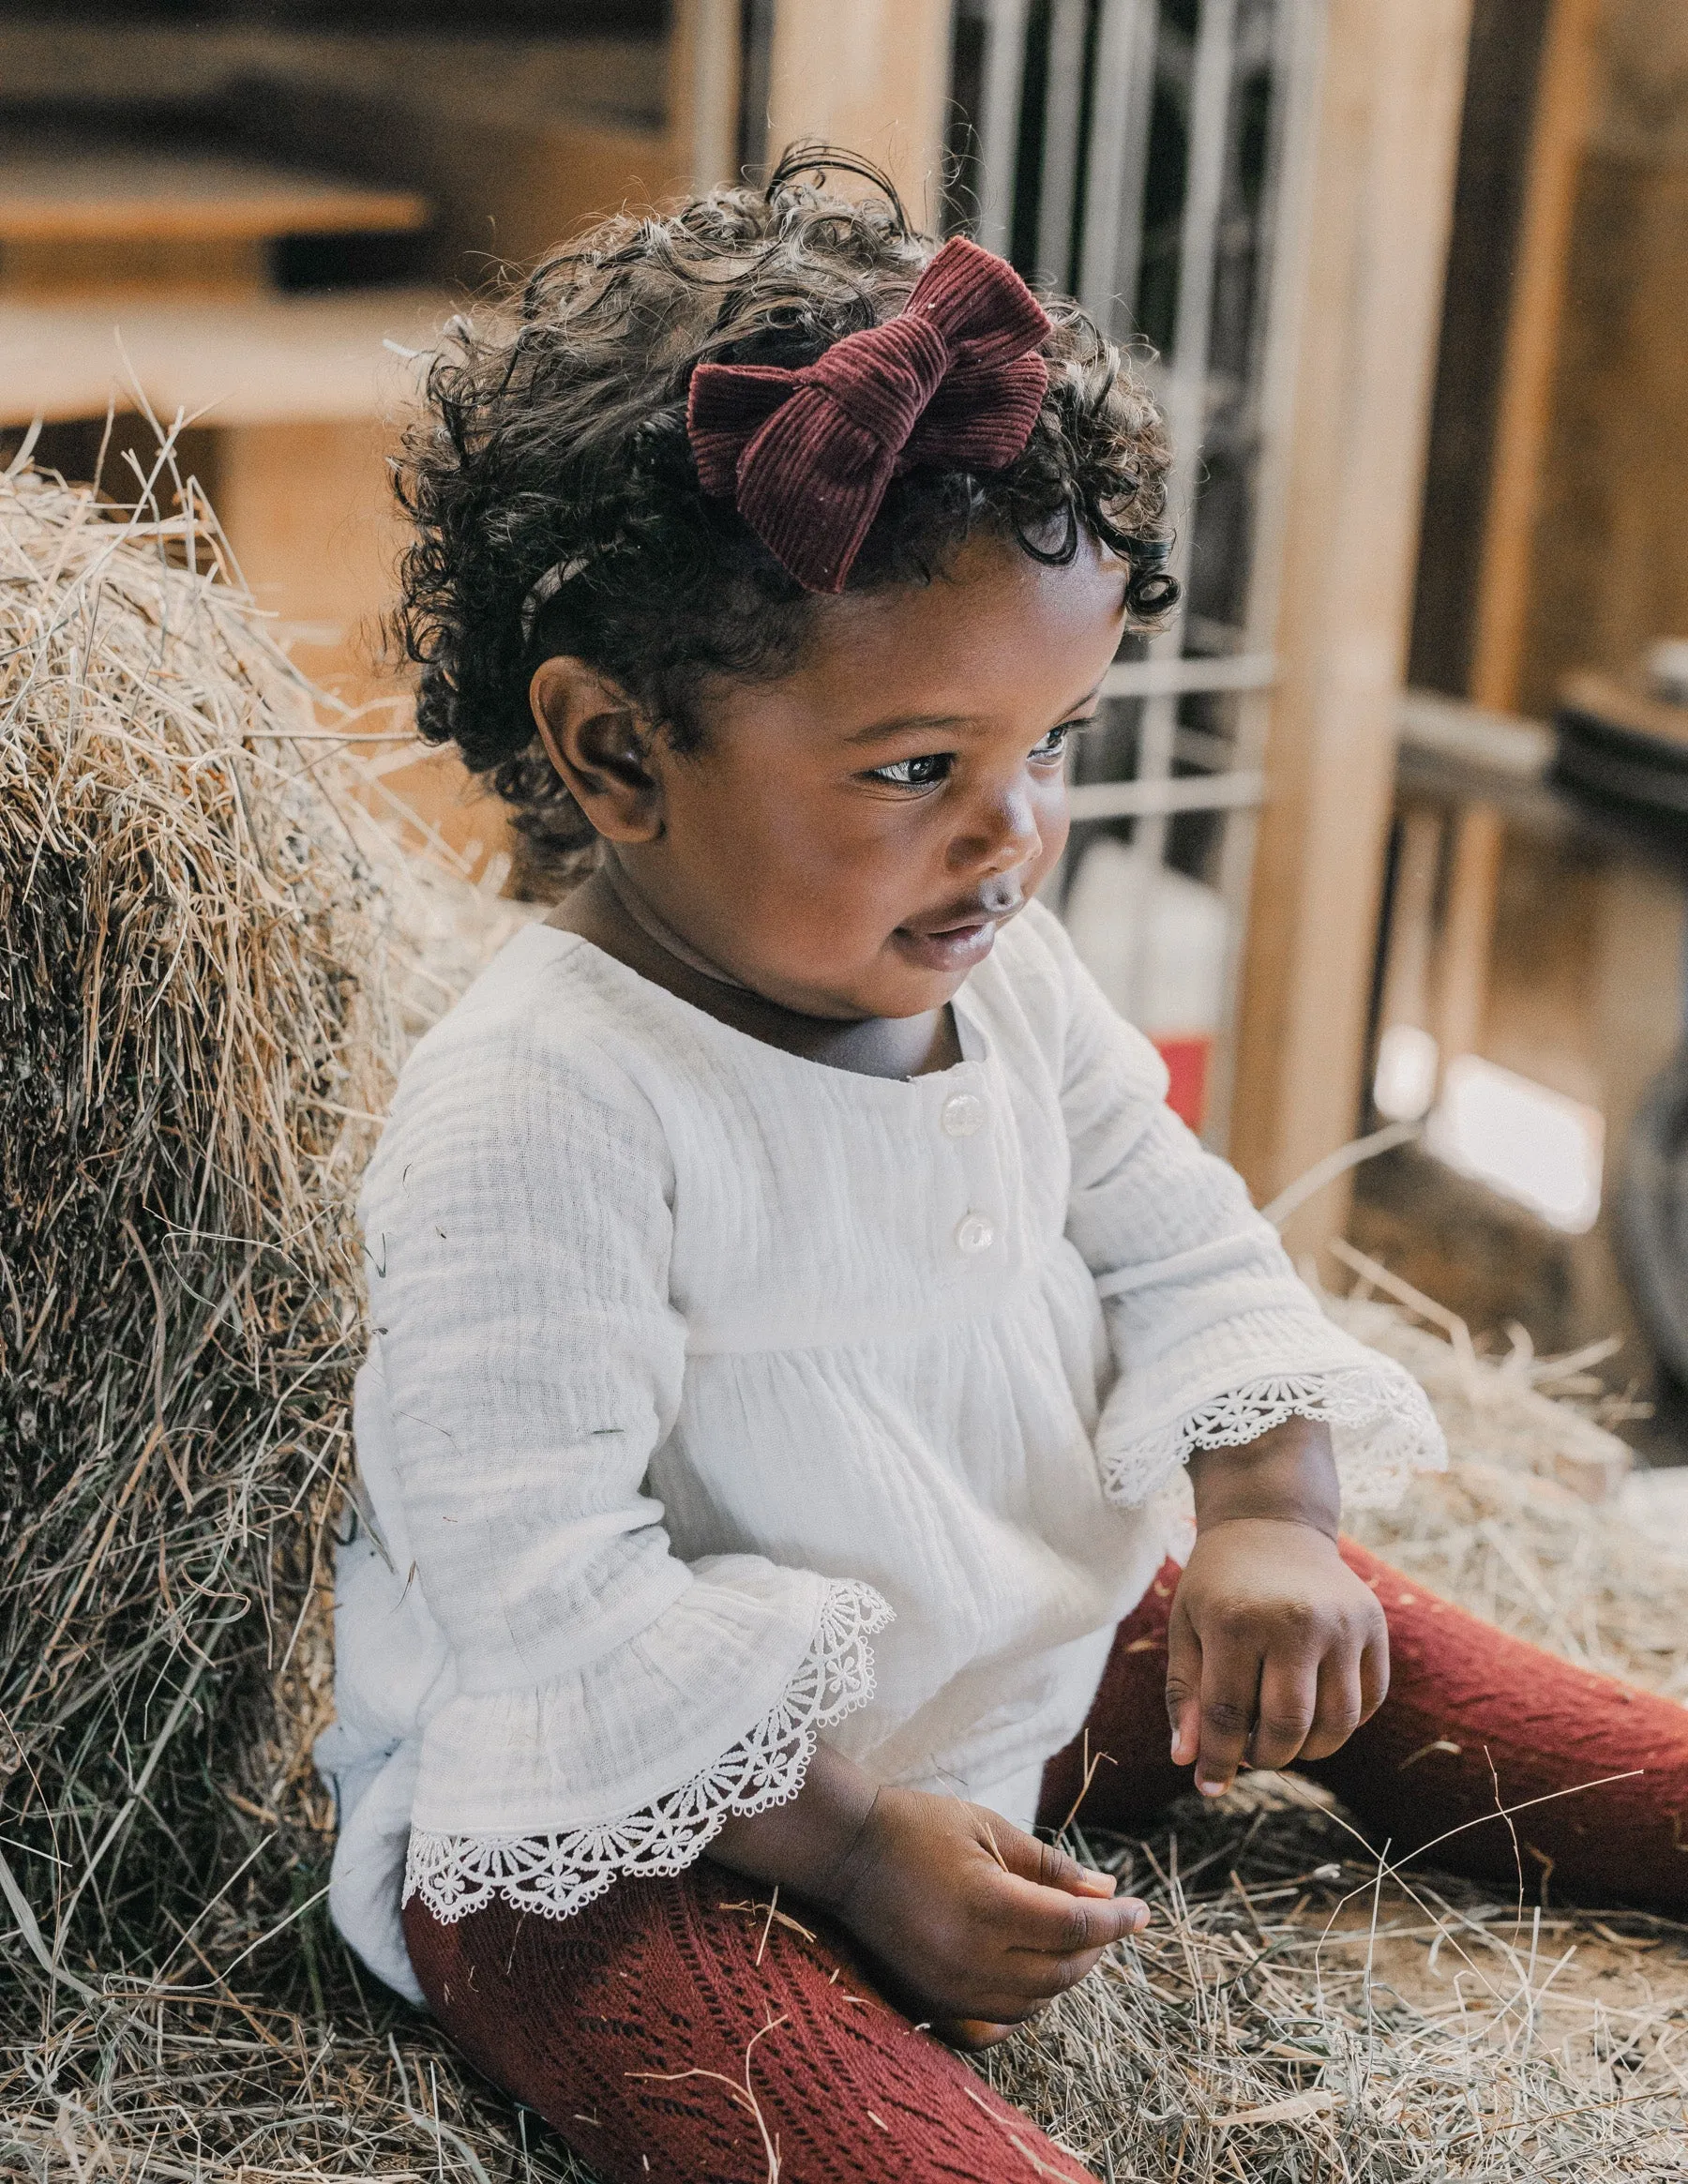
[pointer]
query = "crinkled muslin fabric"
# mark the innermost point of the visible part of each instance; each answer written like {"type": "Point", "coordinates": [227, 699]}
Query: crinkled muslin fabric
{"type": "Point", "coordinates": [718, 1399]}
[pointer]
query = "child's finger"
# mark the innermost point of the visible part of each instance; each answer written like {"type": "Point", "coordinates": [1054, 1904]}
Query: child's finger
{"type": "Point", "coordinates": [1230, 1690]}
{"type": "Point", "coordinates": [1341, 1707]}
{"type": "Point", "coordinates": [1047, 1975]}
{"type": "Point", "coordinates": [1374, 1670]}
{"type": "Point", "coordinates": [1029, 1919]}
{"type": "Point", "coordinates": [1048, 1865]}
{"type": "Point", "coordinates": [1289, 1691]}
{"type": "Point", "coordinates": [1183, 1685]}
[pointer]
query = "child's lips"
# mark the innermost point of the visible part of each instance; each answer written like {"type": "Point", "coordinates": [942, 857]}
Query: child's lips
{"type": "Point", "coordinates": [952, 947]}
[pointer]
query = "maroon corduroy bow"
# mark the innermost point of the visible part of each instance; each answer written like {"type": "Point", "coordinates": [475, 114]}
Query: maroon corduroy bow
{"type": "Point", "coordinates": [808, 454]}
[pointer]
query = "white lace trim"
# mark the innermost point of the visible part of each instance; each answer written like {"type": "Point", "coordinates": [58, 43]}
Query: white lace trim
{"type": "Point", "coordinates": [558, 1874]}
{"type": "Point", "coordinates": [1381, 1423]}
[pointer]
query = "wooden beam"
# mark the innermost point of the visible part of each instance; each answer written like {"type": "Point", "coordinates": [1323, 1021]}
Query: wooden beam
{"type": "Point", "coordinates": [1380, 200]}
{"type": "Point", "coordinates": [873, 78]}
{"type": "Point", "coordinates": [253, 360]}
{"type": "Point", "coordinates": [1564, 103]}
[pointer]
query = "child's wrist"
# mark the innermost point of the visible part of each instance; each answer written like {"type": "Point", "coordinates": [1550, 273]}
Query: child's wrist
{"type": "Point", "coordinates": [1288, 1476]}
{"type": "Point", "coordinates": [809, 1842]}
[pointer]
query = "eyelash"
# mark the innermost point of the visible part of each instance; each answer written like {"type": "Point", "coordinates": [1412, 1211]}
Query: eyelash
{"type": "Point", "coordinates": [895, 775]}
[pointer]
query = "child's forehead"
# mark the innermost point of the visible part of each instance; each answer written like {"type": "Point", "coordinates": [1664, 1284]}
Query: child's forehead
{"type": "Point", "coordinates": [995, 599]}
{"type": "Point", "coordinates": [998, 631]}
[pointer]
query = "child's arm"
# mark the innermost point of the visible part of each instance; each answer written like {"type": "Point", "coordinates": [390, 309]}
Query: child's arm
{"type": "Point", "coordinates": [1226, 1363]}
{"type": "Point", "coordinates": [980, 1922]}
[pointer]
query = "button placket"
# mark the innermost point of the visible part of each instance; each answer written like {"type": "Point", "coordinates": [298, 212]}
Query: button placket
{"type": "Point", "coordinates": [964, 1118]}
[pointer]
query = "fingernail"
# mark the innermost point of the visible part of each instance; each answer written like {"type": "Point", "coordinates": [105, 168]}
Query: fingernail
{"type": "Point", "coordinates": [1100, 1884]}
{"type": "Point", "coordinates": [1211, 1789]}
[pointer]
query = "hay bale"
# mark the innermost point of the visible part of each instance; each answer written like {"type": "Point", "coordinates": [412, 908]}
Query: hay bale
{"type": "Point", "coordinates": [192, 1043]}
{"type": "Point", "coordinates": [1515, 1528]}
{"type": "Point", "coordinates": [207, 971]}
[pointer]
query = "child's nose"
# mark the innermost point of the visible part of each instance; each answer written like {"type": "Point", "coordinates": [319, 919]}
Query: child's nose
{"type": "Point", "coordinates": [1004, 833]}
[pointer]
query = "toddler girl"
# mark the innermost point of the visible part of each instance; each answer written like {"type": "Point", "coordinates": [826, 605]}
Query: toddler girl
{"type": "Point", "coordinates": [792, 1297]}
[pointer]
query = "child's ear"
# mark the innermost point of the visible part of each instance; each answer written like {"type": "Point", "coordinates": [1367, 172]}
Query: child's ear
{"type": "Point", "coordinates": [599, 742]}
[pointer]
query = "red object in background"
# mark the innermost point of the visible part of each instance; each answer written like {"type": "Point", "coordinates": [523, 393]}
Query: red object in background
{"type": "Point", "coordinates": [1186, 1061]}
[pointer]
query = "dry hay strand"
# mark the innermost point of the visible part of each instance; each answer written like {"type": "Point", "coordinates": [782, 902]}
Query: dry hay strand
{"type": "Point", "coordinates": [1580, 1568]}
{"type": "Point", "coordinates": [212, 959]}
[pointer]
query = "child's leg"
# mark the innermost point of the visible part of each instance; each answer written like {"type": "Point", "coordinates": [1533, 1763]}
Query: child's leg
{"type": "Point", "coordinates": [637, 2028]}
{"type": "Point", "coordinates": [1476, 1720]}
{"type": "Point", "coordinates": [1470, 1713]}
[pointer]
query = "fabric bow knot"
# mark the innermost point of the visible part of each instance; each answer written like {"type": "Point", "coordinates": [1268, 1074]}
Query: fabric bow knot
{"type": "Point", "coordinates": [807, 455]}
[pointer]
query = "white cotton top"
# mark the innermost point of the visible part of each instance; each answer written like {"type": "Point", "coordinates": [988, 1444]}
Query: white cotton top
{"type": "Point", "coordinates": [716, 1398]}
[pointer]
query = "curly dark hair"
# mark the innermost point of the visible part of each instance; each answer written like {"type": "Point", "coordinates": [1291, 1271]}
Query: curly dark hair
{"type": "Point", "coordinates": [553, 444]}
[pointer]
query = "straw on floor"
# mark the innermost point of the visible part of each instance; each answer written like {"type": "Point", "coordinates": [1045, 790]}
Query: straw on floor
{"type": "Point", "coordinates": [211, 955]}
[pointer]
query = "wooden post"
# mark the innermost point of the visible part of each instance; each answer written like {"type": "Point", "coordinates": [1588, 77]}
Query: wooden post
{"type": "Point", "coordinates": [703, 90]}
{"type": "Point", "coordinates": [1393, 74]}
{"type": "Point", "coordinates": [1564, 94]}
{"type": "Point", "coordinates": [873, 77]}
{"type": "Point", "coordinates": [1468, 930]}
{"type": "Point", "coordinates": [308, 510]}
{"type": "Point", "coordinates": [1413, 920]}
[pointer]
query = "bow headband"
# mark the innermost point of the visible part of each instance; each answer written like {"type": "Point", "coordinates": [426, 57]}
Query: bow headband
{"type": "Point", "coordinates": [806, 456]}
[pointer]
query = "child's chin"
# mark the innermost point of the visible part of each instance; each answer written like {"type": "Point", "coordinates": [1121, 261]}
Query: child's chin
{"type": "Point", "coordinates": [905, 992]}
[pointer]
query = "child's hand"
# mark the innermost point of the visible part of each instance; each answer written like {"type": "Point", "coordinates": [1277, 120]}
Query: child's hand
{"type": "Point", "coordinates": [978, 1922]}
{"type": "Point", "coordinates": [1276, 1650]}
{"type": "Point", "coordinates": [982, 1924]}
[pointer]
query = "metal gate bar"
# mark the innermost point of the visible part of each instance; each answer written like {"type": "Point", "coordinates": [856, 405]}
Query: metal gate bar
{"type": "Point", "coordinates": [1185, 398]}
{"type": "Point", "coordinates": [1063, 125]}
{"type": "Point", "coordinates": [999, 123]}
{"type": "Point", "coordinates": [1122, 85]}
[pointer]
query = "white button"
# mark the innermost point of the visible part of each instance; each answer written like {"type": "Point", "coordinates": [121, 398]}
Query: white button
{"type": "Point", "coordinates": [962, 1115]}
{"type": "Point", "coordinates": [973, 1234]}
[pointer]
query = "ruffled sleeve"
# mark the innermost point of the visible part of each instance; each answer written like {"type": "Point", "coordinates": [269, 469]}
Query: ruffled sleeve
{"type": "Point", "coordinates": [603, 1707]}
{"type": "Point", "coordinates": [1214, 1337]}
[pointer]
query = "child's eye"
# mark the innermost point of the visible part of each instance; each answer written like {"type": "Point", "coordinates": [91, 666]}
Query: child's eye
{"type": "Point", "coordinates": [1055, 743]}
{"type": "Point", "coordinates": [933, 767]}
{"type": "Point", "coordinates": [922, 773]}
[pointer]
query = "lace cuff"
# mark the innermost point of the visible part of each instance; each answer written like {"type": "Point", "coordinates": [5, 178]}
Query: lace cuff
{"type": "Point", "coordinates": [1383, 1429]}
{"type": "Point", "coordinates": [558, 1874]}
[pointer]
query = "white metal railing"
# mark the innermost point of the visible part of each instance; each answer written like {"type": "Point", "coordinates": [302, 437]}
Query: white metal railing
{"type": "Point", "coordinates": [1101, 161]}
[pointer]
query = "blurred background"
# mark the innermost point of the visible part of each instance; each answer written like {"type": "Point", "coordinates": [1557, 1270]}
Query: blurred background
{"type": "Point", "coordinates": [1384, 837]}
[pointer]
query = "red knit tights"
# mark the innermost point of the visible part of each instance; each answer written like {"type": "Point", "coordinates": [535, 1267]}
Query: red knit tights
{"type": "Point", "coordinates": [672, 2032]}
